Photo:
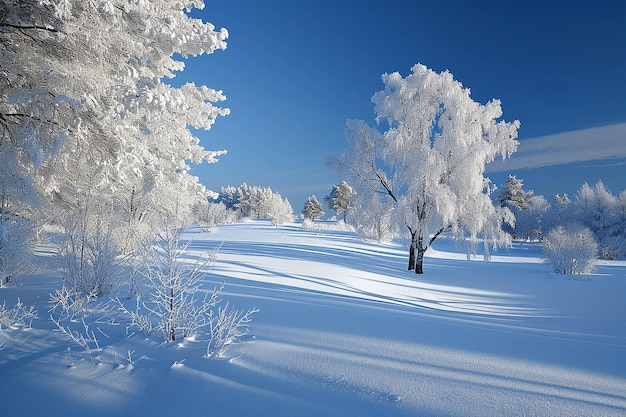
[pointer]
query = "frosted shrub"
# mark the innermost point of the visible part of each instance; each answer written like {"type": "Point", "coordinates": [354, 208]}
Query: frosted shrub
{"type": "Point", "coordinates": [88, 254]}
{"type": "Point", "coordinates": [570, 250]}
{"type": "Point", "coordinates": [225, 327]}
{"type": "Point", "coordinates": [176, 305]}
{"type": "Point", "coordinates": [69, 302]}
{"type": "Point", "coordinates": [69, 309]}
{"type": "Point", "coordinates": [20, 315]}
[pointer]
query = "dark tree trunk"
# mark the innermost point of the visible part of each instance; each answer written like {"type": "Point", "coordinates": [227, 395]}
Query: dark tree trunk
{"type": "Point", "coordinates": [172, 335]}
{"type": "Point", "coordinates": [419, 260]}
{"type": "Point", "coordinates": [416, 253]}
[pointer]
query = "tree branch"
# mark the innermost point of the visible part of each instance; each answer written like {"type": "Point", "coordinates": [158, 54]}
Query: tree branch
{"type": "Point", "coordinates": [436, 235]}
{"type": "Point", "coordinates": [30, 27]}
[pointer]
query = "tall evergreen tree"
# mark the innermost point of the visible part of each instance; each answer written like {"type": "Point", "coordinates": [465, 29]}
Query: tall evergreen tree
{"type": "Point", "coordinates": [513, 194]}
{"type": "Point", "coordinates": [313, 209]}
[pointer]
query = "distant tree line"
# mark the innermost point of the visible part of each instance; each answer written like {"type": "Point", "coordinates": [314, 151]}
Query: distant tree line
{"type": "Point", "coordinates": [233, 204]}
{"type": "Point", "coordinates": [595, 208]}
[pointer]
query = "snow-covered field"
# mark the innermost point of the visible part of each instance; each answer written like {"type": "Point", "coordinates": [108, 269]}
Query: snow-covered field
{"type": "Point", "coordinates": [343, 330]}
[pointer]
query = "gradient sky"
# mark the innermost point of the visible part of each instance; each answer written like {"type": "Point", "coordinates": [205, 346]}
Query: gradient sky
{"type": "Point", "coordinates": [295, 71]}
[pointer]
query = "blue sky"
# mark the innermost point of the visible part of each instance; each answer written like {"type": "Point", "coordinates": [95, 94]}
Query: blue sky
{"type": "Point", "coordinates": [295, 71]}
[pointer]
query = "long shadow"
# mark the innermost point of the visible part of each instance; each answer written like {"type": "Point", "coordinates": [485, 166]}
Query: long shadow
{"type": "Point", "coordinates": [501, 378]}
{"type": "Point", "coordinates": [381, 262]}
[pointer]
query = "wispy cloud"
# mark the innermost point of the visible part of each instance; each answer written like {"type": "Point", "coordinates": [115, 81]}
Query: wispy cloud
{"type": "Point", "coordinates": [598, 143]}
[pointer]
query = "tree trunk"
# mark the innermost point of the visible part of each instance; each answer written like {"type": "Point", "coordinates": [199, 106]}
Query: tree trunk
{"type": "Point", "coordinates": [419, 260]}
{"type": "Point", "coordinates": [416, 253]}
{"type": "Point", "coordinates": [172, 335]}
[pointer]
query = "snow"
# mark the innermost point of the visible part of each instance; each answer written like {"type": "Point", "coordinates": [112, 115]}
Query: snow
{"type": "Point", "coordinates": [343, 330]}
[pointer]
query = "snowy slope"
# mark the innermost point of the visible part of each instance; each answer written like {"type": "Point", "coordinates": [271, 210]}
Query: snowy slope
{"type": "Point", "coordinates": [344, 330]}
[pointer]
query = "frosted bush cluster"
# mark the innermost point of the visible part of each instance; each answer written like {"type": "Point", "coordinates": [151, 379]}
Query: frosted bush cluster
{"type": "Point", "coordinates": [571, 250]}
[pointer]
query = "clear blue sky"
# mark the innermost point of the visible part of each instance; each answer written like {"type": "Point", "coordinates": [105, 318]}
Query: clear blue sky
{"type": "Point", "coordinates": [295, 71]}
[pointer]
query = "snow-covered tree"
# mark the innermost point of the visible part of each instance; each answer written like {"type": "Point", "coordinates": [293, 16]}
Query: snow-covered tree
{"type": "Point", "coordinates": [88, 254]}
{"type": "Point", "coordinates": [339, 199]}
{"type": "Point", "coordinates": [603, 221]}
{"type": "Point", "coordinates": [585, 200]}
{"type": "Point", "coordinates": [85, 110]}
{"type": "Point", "coordinates": [596, 208]}
{"type": "Point", "coordinates": [216, 213]}
{"type": "Point", "coordinates": [33, 120]}
{"type": "Point", "coordinates": [620, 222]}
{"type": "Point", "coordinates": [429, 163]}
{"type": "Point", "coordinates": [280, 210]}
{"type": "Point", "coordinates": [313, 209]}
{"type": "Point", "coordinates": [529, 223]}
{"type": "Point", "coordinates": [229, 196]}
{"type": "Point", "coordinates": [513, 194]}
{"type": "Point", "coordinates": [251, 202]}
{"type": "Point", "coordinates": [248, 201]}
{"type": "Point", "coordinates": [260, 203]}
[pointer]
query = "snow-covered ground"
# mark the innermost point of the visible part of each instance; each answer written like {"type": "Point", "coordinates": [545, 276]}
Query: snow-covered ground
{"type": "Point", "coordinates": [343, 330]}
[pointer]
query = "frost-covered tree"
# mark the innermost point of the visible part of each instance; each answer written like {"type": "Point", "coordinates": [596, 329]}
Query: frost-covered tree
{"type": "Point", "coordinates": [229, 196]}
{"type": "Point", "coordinates": [85, 110]}
{"type": "Point", "coordinates": [339, 199]}
{"type": "Point", "coordinates": [514, 198]}
{"type": "Point", "coordinates": [216, 213]}
{"type": "Point", "coordinates": [176, 305]}
{"type": "Point", "coordinates": [596, 208]}
{"type": "Point", "coordinates": [249, 201]}
{"type": "Point", "coordinates": [313, 209]}
{"type": "Point", "coordinates": [604, 214]}
{"type": "Point", "coordinates": [529, 223]}
{"type": "Point", "coordinates": [585, 204]}
{"type": "Point", "coordinates": [620, 223]}
{"type": "Point", "coordinates": [428, 164]}
{"type": "Point", "coordinates": [513, 194]}
{"type": "Point", "coordinates": [280, 210]}
{"type": "Point", "coordinates": [33, 120]}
